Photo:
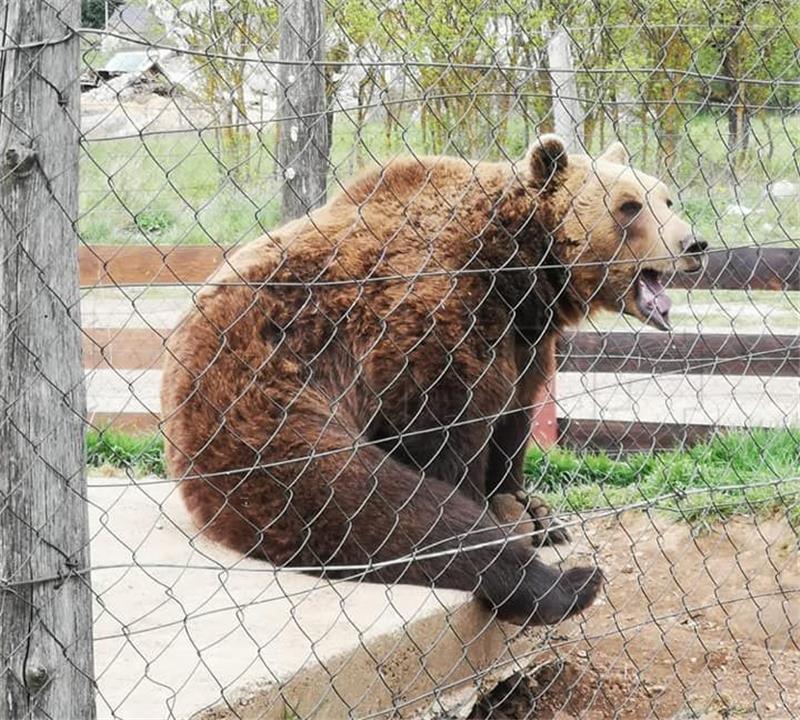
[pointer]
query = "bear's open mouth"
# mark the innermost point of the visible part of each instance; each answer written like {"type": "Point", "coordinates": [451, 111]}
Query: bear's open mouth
{"type": "Point", "coordinates": [652, 299]}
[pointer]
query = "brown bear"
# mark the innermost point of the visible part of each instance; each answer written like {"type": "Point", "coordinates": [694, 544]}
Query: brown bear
{"type": "Point", "coordinates": [350, 393]}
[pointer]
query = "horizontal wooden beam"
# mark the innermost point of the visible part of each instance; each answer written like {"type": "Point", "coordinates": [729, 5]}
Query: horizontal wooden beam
{"type": "Point", "coordinates": [699, 354]}
{"type": "Point", "coordinates": [134, 422]}
{"type": "Point", "coordinates": [747, 268]}
{"type": "Point", "coordinates": [626, 436]}
{"type": "Point", "coordinates": [109, 265]}
{"type": "Point", "coordinates": [123, 349]}
{"type": "Point", "coordinates": [706, 354]}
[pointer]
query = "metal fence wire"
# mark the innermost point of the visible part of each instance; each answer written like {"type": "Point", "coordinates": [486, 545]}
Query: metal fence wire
{"type": "Point", "coordinates": [365, 358]}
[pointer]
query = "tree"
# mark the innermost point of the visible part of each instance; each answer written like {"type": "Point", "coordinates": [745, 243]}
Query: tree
{"type": "Point", "coordinates": [94, 13]}
{"type": "Point", "coordinates": [303, 142]}
{"type": "Point", "coordinates": [230, 37]}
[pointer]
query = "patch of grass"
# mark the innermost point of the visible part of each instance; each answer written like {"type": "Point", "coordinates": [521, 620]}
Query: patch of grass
{"type": "Point", "coordinates": [152, 222]}
{"type": "Point", "coordinates": [210, 196]}
{"type": "Point", "coordinates": [747, 471]}
{"type": "Point", "coordinates": [173, 191]}
{"type": "Point", "coordinates": [141, 454]}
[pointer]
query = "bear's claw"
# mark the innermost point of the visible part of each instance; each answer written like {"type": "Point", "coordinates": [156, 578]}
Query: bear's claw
{"type": "Point", "coordinates": [555, 532]}
{"type": "Point", "coordinates": [525, 514]}
{"type": "Point", "coordinates": [578, 588]}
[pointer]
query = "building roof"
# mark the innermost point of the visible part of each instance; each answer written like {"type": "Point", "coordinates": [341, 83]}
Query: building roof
{"type": "Point", "coordinates": [131, 61]}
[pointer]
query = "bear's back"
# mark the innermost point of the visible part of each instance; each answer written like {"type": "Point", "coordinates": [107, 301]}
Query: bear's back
{"type": "Point", "coordinates": [363, 287]}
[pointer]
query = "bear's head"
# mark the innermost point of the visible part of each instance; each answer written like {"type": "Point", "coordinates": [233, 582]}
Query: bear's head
{"type": "Point", "coordinates": [614, 229]}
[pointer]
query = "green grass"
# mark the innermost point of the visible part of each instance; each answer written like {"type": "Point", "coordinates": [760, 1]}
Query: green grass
{"type": "Point", "coordinates": [171, 190]}
{"type": "Point", "coordinates": [140, 454]}
{"type": "Point", "coordinates": [742, 472]}
{"type": "Point", "coordinates": [755, 470]}
{"type": "Point", "coordinates": [182, 189]}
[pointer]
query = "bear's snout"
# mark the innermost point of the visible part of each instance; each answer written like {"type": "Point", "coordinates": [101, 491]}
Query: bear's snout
{"type": "Point", "coordinates": [694, 253]}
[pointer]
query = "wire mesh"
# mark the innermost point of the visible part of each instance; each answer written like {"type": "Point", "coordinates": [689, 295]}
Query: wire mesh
{"type": "Point", "coordinates": [389, 412]}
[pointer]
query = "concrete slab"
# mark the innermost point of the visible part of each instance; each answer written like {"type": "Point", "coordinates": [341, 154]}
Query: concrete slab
{"type": "Point", "coordinates": [702, 399]}
{"type": "Point", "coordinates": [187, 629]}
{"type": "Point", "coordinates": [135, 307]}
{"type": "Point", "coordinates": [692, 311]}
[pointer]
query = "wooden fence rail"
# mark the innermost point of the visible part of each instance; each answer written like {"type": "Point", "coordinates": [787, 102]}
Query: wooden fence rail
{"type": "Point", "coordinates": [684, 353]}
{"type": "Point", "coordinates": [122, 265]}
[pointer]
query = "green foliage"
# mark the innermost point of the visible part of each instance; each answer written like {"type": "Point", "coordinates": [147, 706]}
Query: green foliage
{"type": "Point", "coordinates": [141, 454]}
{"type": "Point", "coordinates": [93, 12]}
{"type": "Point", "coordinates": [642, 69]}
{"type": "Point", "coordinates": [152, 222]}
{"type": "Point", "coordinates": [229, 30]}
{"type": "Point", "coordinates": [645, 71]}
{"type": "Point", "coordinates": [754, 470]}
{"type": "Point", "coordinates": [125, 199]}
{"type": "Point", "coordinates": [475, 83]}
{"type": "Point", "coordinates": [203, 203]}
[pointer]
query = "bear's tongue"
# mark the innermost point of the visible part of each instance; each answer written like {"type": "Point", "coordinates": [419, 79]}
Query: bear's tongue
{"type": "Point", "coordinates": [653, 299]}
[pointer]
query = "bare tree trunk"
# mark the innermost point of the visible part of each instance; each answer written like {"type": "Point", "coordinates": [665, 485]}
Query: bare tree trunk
{"type": "Point", "coordinates": [526, 114]}
{"type": "Point", "coordinates": [736, 111]}
{"type": "Point", "coordinates": [738, 120]}
{"type": "Point", "coordinates": [644, 128]}
{"type": "Point", "coordinates": [337, 54]}
{"type": "Point", "coordinates": [614, 112]}
{"type": "Point", "coordinates": [304, 143]}
{"type": "Point", "coordinates": [45, 605]}
{"type": "Point", "coordinates": [388, 118]}
{"type": "Point", "coordinates": [567, 114]}
{"type": "Point", "coordinates": [366, 89]}
{"type": "Point", "coordinates": [668, 126]}
{"type": "Point", "coordinates": [770, 138]}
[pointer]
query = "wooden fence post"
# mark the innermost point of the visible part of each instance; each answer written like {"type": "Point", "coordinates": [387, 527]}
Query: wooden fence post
{"type": "Point", "coordinates": [567, 113]}
{"type": "Point", "coordinates": [45, 596]}
{"type": "Point", "coordinates": [544, 424]}
{"type": "Point", "coordinates": [303, 141]}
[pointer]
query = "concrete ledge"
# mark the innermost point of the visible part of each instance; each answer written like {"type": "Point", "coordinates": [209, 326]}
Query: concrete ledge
{"type": "Point", "coordinates": [186, 629]}
{"type": "Point", "coordinates": [428, 665]}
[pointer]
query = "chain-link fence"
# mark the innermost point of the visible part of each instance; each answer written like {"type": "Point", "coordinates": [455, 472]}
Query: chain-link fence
{"type": "Point", "coordinates": [440, 359]}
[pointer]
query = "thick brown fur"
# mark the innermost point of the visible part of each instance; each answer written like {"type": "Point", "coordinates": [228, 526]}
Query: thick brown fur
{"type": "Point", "coordinates": [355, 386]}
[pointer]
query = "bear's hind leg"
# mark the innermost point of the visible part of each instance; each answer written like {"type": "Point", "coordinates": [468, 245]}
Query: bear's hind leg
{"type": "Point", "coordinates": [321, 502]}
{"type": "Point", "coordinates": [361, 508]}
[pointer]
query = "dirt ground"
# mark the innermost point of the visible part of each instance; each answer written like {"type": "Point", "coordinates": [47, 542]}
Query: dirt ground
{"type": "Point", "coordinates": [694, 624]}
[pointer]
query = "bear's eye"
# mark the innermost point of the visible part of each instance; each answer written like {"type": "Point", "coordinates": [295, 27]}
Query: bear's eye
{"type": "Point", "coordinates": [632, 207]}
{"type": "Point", "coordinates": [669, 203]}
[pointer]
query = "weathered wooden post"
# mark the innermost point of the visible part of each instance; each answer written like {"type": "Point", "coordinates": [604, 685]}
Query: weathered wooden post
{"type": "Point", "coordinates": [303, 141]}
{"type": "Point", "coordinates": [568, 123]}
{"type": "Point", "coordinates": [567, 113]}
{"type": "Point", "coordinates": [45, 598]}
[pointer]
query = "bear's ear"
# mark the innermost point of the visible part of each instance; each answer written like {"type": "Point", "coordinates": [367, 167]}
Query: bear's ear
{"type": "Point", "coordinates": [616, 153]}
{"type": "Point", "coordinates": [546, 158]}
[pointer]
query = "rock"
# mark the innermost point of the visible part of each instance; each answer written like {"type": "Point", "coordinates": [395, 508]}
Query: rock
{"type": "Point", "coordinates": [783, 189]}
{"type": "Point", "coordinates": [742, 210]}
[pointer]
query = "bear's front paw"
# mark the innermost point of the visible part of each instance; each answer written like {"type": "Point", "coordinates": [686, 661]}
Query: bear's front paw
{"type": "Point", "coordinates": [520, 513]}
